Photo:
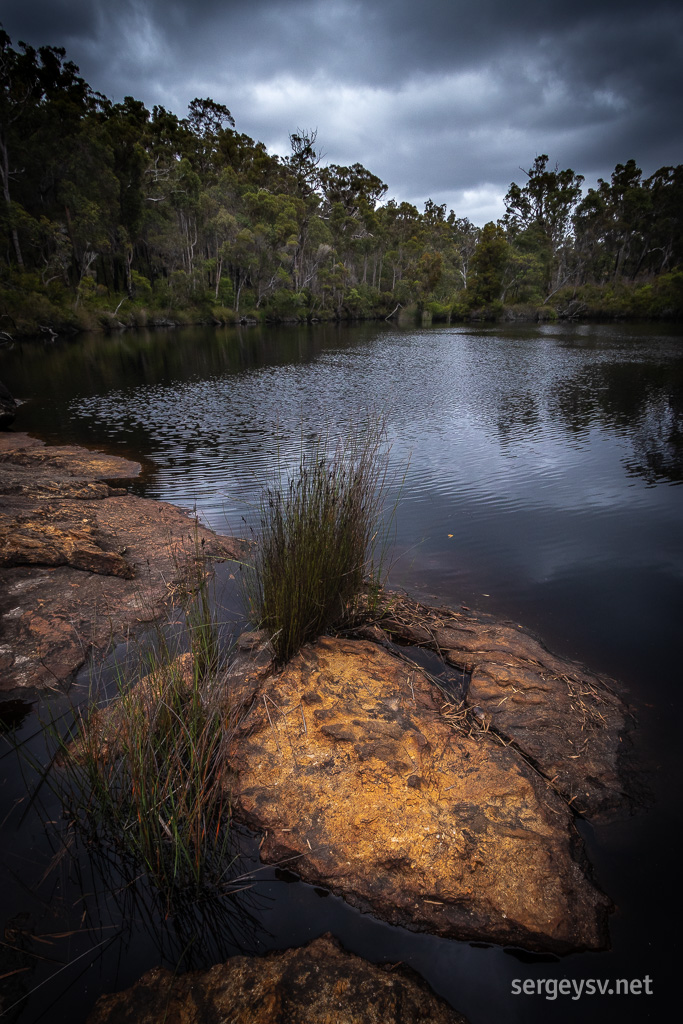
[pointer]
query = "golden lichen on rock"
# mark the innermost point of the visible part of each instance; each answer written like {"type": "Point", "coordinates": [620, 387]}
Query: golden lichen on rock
{"type": "Point", "coordinates": [317, 984]}
{"type": "Point", "coordinates": [346, 764]}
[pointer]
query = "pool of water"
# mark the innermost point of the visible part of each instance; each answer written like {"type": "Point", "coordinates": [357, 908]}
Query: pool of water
{"type": "Point", "coordinates": [536, 474]}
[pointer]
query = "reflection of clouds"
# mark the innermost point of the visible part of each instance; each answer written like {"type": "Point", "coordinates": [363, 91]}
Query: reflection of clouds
{"type": "Point", "coordinates": [518, 442]}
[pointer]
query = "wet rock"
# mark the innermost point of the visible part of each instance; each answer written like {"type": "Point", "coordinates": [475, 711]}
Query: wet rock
{"type": "Point", "coordinates": [318, 983]}
{"type": "Point", "coordinates": [570, 722]}
{"type": "Point", "coordinates": [348, 766]}
{"type": "Point", "coordinates": [8, 407]}
{"type": "Point", "coordinates": [82, 562]}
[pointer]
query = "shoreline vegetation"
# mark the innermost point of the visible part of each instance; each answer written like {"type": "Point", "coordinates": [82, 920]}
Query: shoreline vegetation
{"type": "Point", "coordinates": [113, 216]}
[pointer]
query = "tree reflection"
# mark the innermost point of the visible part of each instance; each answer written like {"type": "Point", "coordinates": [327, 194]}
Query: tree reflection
{"type": "Point", "coordinates": [642, 402]}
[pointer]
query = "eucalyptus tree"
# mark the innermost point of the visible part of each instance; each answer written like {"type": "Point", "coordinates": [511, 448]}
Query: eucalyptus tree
{"type": "Point", "coordinates": [666, 240]}
{"type": "Point", "coordinates": [42, 102]}
{"type": "Point", "coordinates": [543, 207]}
{"type": "Point", "coordinates": [628, 227]}
{"type": "Point", "coordinates": [304, 160]}
{"type": "Point", "coordinates": [466, 237]}
{"type": "Point", "coordinates": [488, 264]}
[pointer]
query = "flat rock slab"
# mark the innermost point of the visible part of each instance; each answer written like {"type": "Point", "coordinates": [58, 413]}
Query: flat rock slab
{"type": "Point", "coordinates": [346, 763]}
{"type": "Point", "coordinates": [30, 467]}
{"type": "Point", "coordinates": [82, 563]}
{"type": "Point", "coordinates": [318, 984]}
{"type": "Point", "coordinates": [569, 722]}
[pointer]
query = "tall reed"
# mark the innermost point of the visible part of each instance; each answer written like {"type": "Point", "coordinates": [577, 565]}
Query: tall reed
{"type": "Point", "coordinates": [147, 773]}
{"type": "Point", "coordinates": [317, 537]}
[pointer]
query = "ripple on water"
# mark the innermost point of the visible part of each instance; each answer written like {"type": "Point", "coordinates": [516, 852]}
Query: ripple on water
{"type": "Point", "coordinates": [519, 428]}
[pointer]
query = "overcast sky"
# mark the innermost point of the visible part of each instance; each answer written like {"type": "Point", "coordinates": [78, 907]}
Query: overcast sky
{"type": "Point", "coordinates": [441, 98]}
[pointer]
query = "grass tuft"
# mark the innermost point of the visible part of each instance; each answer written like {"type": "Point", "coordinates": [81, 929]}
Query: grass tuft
{"type": "Point", "coordinates": [318, 534]}
{"type": "Point", "coordinates": [146, 775]}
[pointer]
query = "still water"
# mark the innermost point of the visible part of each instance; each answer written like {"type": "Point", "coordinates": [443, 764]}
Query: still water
{"type": "Point", "coordinates": [537, 471]}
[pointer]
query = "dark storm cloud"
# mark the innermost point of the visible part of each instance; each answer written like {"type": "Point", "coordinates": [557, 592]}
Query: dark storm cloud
{"type": "Point", "coordinates": [439, 98]}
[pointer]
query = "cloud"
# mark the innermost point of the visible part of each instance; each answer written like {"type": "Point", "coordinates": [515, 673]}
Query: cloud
{"type": "Point", "coordinates": [439, 99]}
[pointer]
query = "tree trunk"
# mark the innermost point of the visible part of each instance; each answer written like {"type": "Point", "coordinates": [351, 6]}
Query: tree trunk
{"type": "Point", "coordinates": [4, 170]}
{"type": "Point", "coordinates": [219, 269]}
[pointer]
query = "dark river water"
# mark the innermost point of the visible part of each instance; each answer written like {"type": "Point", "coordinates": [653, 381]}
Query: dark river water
{"type": "Point", "coordinates": [537, 472]}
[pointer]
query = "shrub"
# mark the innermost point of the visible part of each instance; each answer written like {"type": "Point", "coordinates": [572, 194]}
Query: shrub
{"type": "Point", "coordinates": [285, 303]}
{"type": "Point", "coordinates": [439, 311]}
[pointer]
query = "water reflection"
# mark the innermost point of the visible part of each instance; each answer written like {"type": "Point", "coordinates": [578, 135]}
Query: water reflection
{"type": "Point", "coordinates": [77, 908]}
{"type": "Point", "coordinates": [218, 397]}
{"type": "Point", "coordinates": [197, 930]}
{"type": "Point", "coordinates": [640, 400]}
{"type": "Point", "coordinates": [13, 713]}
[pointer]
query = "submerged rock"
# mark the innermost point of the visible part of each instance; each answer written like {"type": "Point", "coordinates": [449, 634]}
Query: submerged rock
{"type": "Point", "coordinates": [317, 984]}
{"type": "Point", "coordinates": [346, 763]}
{"type": "Point", "coordinates": [569, 722]}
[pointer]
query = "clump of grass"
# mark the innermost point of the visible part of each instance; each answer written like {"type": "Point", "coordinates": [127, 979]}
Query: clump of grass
{"type": "Point", "coordinates": [155, 786]}
{"type": "Point", "coordinates": [146, 774]}
{"type": "Point", "coordinates": [318, 532]}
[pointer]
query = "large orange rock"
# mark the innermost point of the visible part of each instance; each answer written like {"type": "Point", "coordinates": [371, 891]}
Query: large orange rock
{"type": "Point", "coordinates": [358, 781]}
{"type": "Point", "coordinates": [318, 984]}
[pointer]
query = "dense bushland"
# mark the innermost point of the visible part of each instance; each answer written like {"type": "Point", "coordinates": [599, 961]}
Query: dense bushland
{"type": "Point", "coordinates": [112, 214]}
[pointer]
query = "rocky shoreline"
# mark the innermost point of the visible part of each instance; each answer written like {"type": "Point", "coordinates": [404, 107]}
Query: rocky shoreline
{"type": "Point", "coordinates": [83, 562]}
{"type": "Point", "coordinates": [319, 982]}
{"type": "Point", "coordinates": [372, 779]}
{"type": "Point", "coordinates": [442, 803]}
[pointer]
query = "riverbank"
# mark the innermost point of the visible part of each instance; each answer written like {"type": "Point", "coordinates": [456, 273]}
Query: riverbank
{"type": "Point", "coordinates": [565, 514]}
{"type": "Point", "coordinates": [657, 300]}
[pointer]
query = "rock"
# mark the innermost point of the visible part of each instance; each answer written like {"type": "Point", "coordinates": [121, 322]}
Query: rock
{"type": "Point", "coordinates": [82, 562]}
{"type": "Point", "coordinates": [569, 722]}
{"type": "Point", "coordinates": [318, 984]}
{"type": "Point", "coordinates": [252, 640]}
{"type": "Point", "coordinates": [348, 766]}
{"type": "Point", "coordinates": [39, 543]}
{"type": "Point", "coordinates": [30, 468]}
{"type": "Point", "coordinates": [8, 407]}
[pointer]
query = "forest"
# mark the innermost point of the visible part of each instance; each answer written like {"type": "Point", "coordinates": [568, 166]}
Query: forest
{"type": "Point", "coordinates": [113, 215]}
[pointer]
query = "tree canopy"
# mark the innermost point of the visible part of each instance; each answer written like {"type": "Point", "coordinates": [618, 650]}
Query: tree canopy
{"type": "Point", "coordinates": [105, 204]}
